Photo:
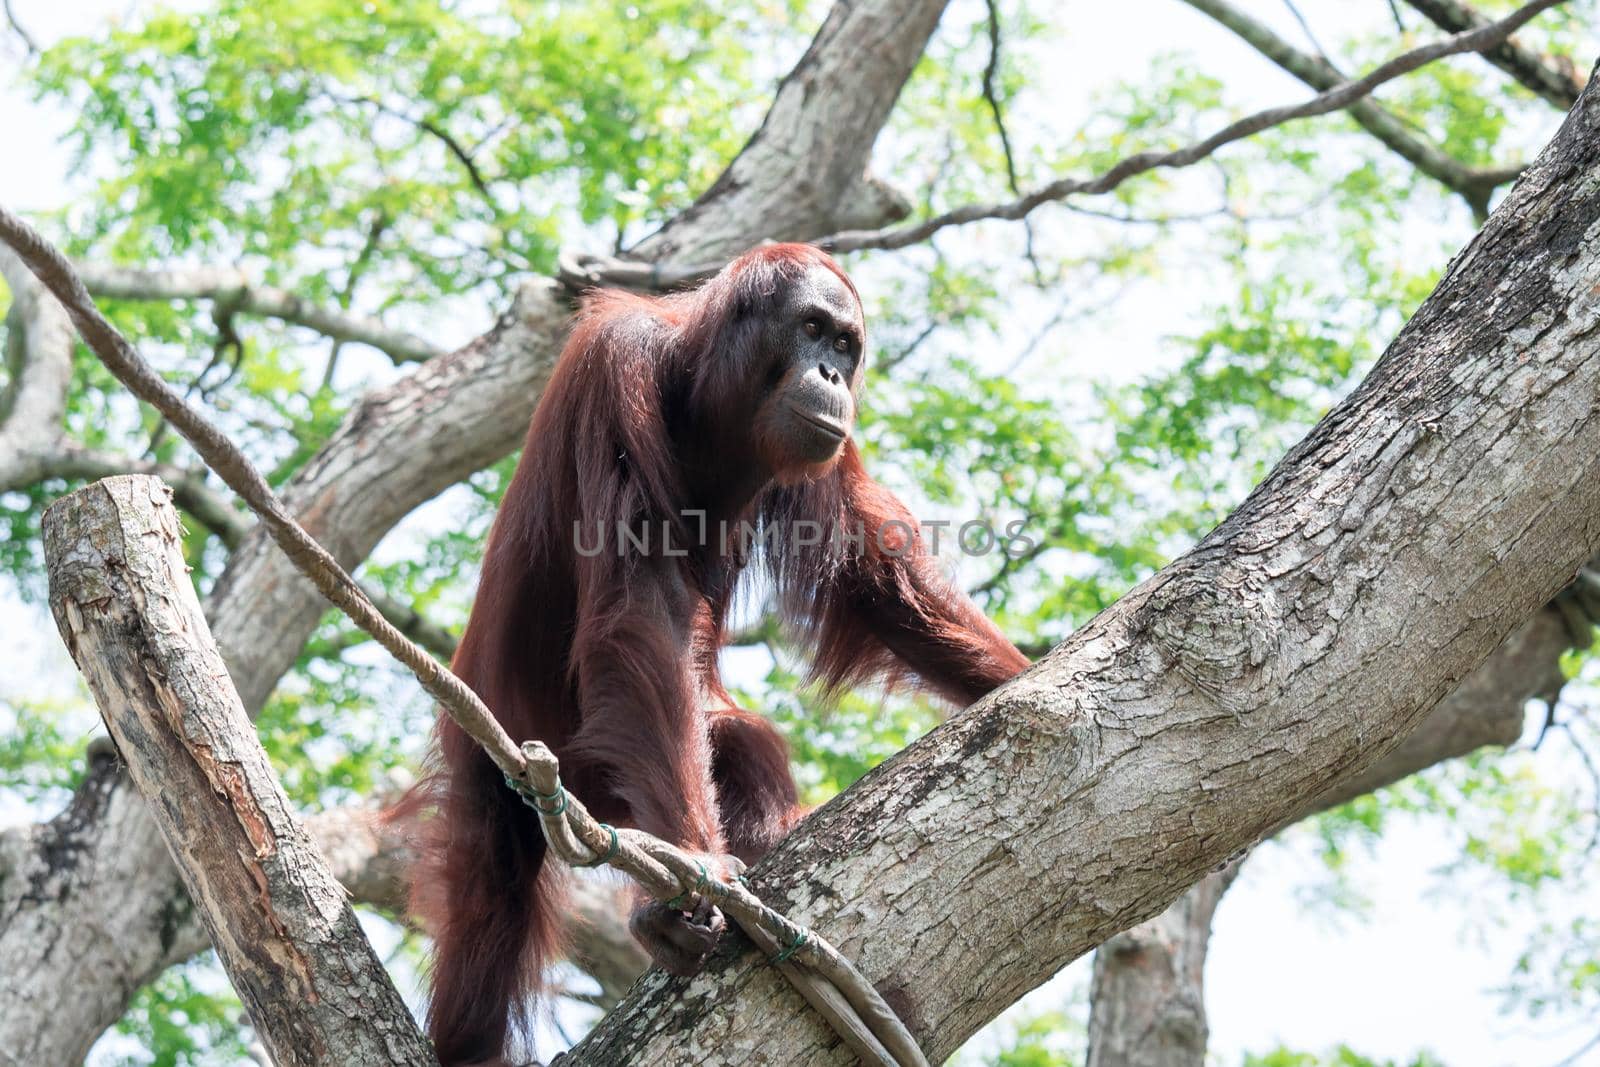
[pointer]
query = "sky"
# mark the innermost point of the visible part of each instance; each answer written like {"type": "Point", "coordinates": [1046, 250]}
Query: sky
{"type": "Point", "coordinates": [1417, 969]}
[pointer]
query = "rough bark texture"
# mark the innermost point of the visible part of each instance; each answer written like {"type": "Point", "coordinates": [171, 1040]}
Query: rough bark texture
{"type": "Point", "coordinates": [1147, 1001]}
{"type": "Point", "coordinates": [121, 595]}
{"type": "Point", "coordinates": [371, 857]}
{"type": "Point", "coordinates": [794, 174]}
{"type": "Point", "coordinates": [1431, 513]}
{"type": "Point", "coordinates": [61, 986]}
{"type": "Point", "coordinates": [1147, 996]}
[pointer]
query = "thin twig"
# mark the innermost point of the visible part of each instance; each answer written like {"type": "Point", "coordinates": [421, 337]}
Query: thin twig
{"type": "Point", "coordinates": [1577, 1057]}
{"type": "Point", "coordinates": [347, 292]}
{"type": "Point", "coordinates": [23, 35]}
{"type": "Point", "coordinates": [1305, 27]}
{"type": "Point", "coordinates": [1399, 23]}
{"type": "Point", "coordinates": [1397, 131]}
{"type": "Point", "coordinates": [432, 129]}
{"type": "Point", "coordinates": [992, 96]}
{"type": "Point", "coordinates": [1593, 768]}
{"type": "Point", "coordinates": [851, 1006]}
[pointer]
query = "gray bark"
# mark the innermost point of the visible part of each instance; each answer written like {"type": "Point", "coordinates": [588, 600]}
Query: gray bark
{"type": "Point", "coordinates": [371, 857]}
{"type": "Point", "coordinates": [120, 591]}
{"type": "Point", "coordinates": [1147, 995]}
{"type": "Point", "coordinates": [232, 290]}
{"type": "Point", "coordinates": [1147, 998]}
{"type": "Point", "coordinates": [100, 865]}
{"type": "Point", "coordinates": [812, 150]}
{"type": "Point", "coordinates": [1432, 512]}
{"type": "Point", "coordinates": [38, 360]}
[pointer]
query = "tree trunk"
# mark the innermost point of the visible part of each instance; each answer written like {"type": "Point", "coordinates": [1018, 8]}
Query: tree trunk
{"type": "Point", "coordinates": [1147, 997]}
{"type": "Point", "coordinates": [1432, 512]}
{"type": "Point", "coordinates": [120, 591]}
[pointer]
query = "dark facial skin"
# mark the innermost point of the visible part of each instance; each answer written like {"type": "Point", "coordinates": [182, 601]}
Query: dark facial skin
{"type": "Point", "coordinates": [817, 338]}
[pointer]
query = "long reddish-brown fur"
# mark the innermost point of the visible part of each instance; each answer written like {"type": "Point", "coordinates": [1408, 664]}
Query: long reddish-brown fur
{"type": "Point", "coordinates": [611, 659]}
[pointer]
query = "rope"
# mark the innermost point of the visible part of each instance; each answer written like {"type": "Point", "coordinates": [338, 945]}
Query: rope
{"type": "Point", "coordinates": [609, 854]}
{"type": "Point", "coordinates": [814, 967]}
{"type": "Point", "coordinates": [801, 936]}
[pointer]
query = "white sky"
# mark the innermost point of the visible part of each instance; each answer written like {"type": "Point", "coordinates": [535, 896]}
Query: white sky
{"type": "Point", "coordinates": [1420, 971]}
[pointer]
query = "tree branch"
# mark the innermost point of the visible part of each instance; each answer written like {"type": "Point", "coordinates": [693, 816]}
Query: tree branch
{"type": "Point", "coordinates": [23, 35]}
{"type": "Point", "coordinates": [432, 129]}
{"type": "Point", "coordinates": [1147, 993]}
{"type": "Point", "coordinates": [38, 357]}
{"type": "Point", "coordinates": [121, 596]}
{"type": "Point", "coordinates": [788, 181]}
{"type": "Point", "coordinates": [1338, 97]}
{"type": "Point", "coordinates": [371, 856]}
{"type": "Point", "coordinates": [991, 96]}
{"type": "Point", "coordinates": [235, 289]}
{"type": "Point", "coordinates": [1545, 77]}
{"type": "Point", "coordinates": [1475, 185]}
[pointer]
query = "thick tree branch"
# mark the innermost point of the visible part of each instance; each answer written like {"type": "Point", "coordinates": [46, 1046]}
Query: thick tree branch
{"type": "Point", "coordinates": [788, 181]}
{"type": "Point", "coordinates": [1421, 522]}
{"type": "Point", "coordinates": [1147, 993]}
{"type": "Point", "coordinates": [1147, 1001]}
{"type": "Point", "coordinates": [1475, 185]}
{"type": "Point", "coordinates": [1558, 83]}
{"type": "Point", "coordinates": [38, 362]}
{"type": "Point", "coordinates": [121, 595]}
{"type": "Point", "coordinates": [235, 290]}
{"type": "Point", "coordinates": [371, 857]}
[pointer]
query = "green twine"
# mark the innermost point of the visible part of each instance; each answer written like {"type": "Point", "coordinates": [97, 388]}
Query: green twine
{"type": "Point", "coordinates": [610, 853]}
{"type": "Point", "coordinates": [801, 936]}
{"type": "Point", "coordinates": [682, 899]}
{"type": "Point", "coordinates": [531, 796]}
